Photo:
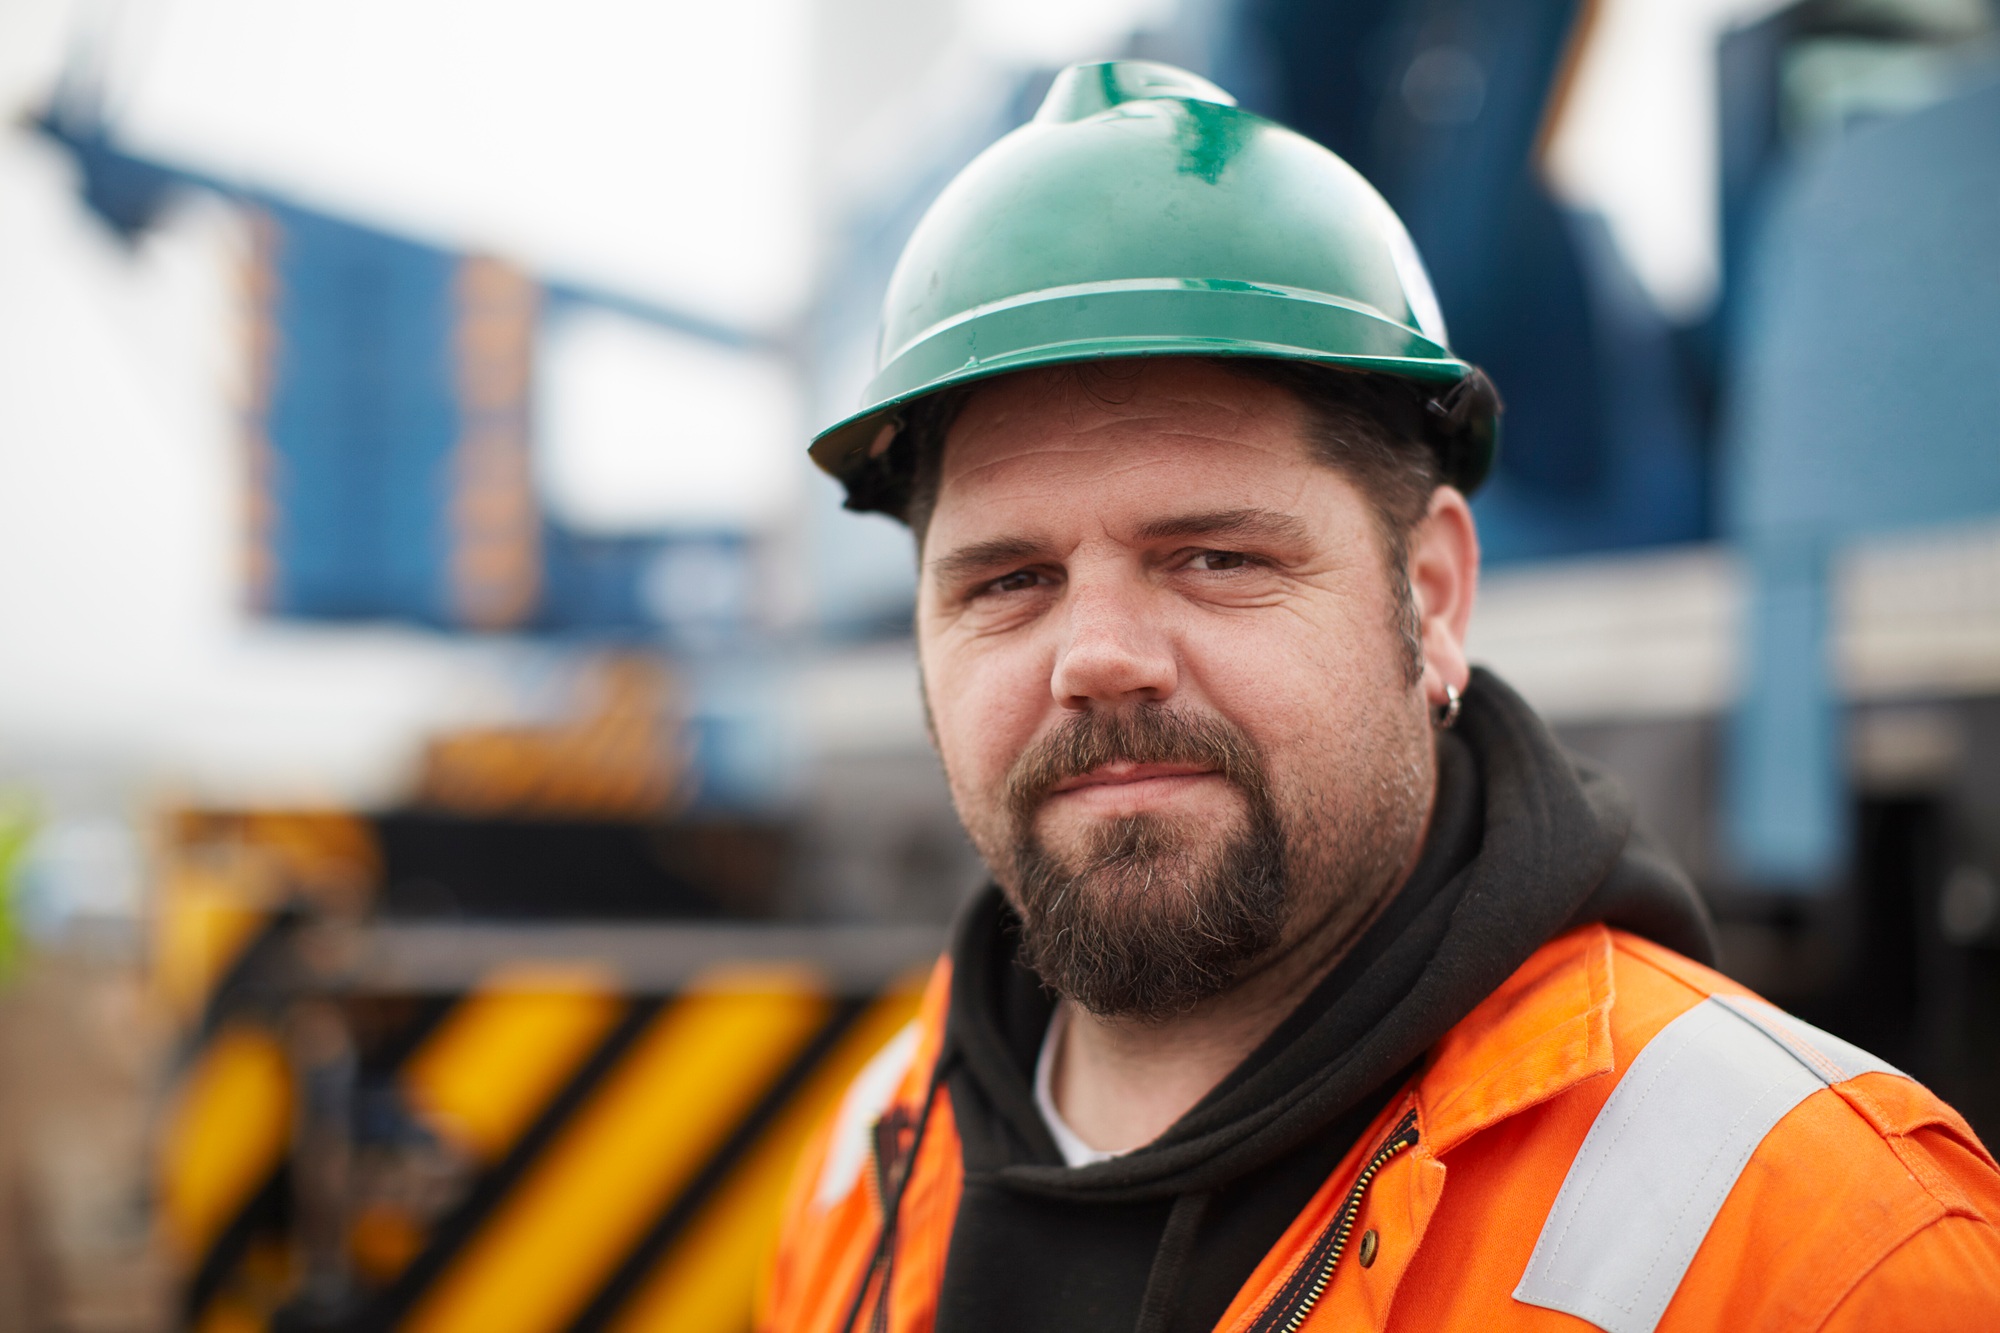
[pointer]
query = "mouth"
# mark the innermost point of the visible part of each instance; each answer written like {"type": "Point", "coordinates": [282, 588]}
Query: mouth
{"type": "Point", "coordinates": [1126, 774]}
{"type": "Point", "coordinates": [1125, 788]}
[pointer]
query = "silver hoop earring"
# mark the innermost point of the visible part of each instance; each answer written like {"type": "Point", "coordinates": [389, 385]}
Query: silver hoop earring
{"type": "Point", "coordinates": [1446, 713]}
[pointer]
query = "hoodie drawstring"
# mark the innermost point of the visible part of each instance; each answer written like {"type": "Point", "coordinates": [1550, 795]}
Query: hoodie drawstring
{"type": "Point", "coordinates": [1163, 1281]}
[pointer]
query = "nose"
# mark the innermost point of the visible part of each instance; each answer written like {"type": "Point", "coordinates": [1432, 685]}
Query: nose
{"type": "Point", "coordinates": [1115, 650]}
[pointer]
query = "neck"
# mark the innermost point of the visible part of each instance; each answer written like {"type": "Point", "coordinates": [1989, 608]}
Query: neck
{"type": "Point", "coordinates": [1120, 1083]}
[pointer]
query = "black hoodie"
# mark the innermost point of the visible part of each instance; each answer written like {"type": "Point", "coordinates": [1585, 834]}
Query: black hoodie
{"type": "Point", "coordinates": [1525, 842]}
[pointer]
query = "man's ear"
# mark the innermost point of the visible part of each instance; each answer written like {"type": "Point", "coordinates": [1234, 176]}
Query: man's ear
{"type": "Point", "coordinates": [1444, 580]}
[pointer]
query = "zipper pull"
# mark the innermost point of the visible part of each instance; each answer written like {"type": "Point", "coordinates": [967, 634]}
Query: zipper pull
{"type": "Point", "coordinates": [1309, 1281]}
{"type": "Point", "coordinates": [886, 1147]}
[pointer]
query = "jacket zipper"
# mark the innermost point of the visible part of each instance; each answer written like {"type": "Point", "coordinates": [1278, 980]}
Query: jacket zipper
{"type": "Point", "coordinates": [885, 1147]}
{"type": "Point", "coordinates": [894, 1164]}
{"type": "Point", "coordinates": [1302, 1292]}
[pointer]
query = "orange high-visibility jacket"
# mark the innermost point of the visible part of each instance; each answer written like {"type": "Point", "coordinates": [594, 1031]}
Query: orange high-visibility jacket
{"type": "Point", "coordinates": [1616, 1137]}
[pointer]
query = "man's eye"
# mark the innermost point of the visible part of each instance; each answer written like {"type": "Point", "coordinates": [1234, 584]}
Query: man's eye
{"type": "Point", "coordinates": [1019, 581]}
{"type": "Point", "coordinates": [1220, 560]}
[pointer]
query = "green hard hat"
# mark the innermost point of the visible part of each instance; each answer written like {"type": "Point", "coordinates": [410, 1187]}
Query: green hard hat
{"type": "Point", "coordinates": [1142, 213]}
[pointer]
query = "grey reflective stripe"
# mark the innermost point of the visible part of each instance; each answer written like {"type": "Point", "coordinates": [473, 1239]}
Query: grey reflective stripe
{"type": "Point", "coordinates": [1834, 1060]}
{"type": "Point", "coordinates": [1665, 1151]}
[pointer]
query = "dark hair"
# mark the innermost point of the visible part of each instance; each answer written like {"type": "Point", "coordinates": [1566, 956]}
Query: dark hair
{"type": "Point", "coordinates": [1373, 430]}
{"type": "Point", "coordinates": [1376, 430]}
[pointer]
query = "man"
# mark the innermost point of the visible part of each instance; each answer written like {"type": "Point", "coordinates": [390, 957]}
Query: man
{"type": "Point", "coordinates": [1317, 988]}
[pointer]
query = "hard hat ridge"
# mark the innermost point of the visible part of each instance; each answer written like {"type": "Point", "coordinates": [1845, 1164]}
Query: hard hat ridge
{"type": "Point", "coordinates": [1142, 213]}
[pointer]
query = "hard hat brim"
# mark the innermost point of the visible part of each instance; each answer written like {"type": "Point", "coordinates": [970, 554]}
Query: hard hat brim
{"type": "Point", "coordinates": [1110, 320]}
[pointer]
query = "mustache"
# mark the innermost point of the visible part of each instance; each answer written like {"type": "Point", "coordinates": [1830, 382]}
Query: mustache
{"type": "Point", "coordinates": [1148, 734]}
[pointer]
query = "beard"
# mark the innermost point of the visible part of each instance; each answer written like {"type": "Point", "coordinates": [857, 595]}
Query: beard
{"type": "Point", "coordinates": [1151, 915]}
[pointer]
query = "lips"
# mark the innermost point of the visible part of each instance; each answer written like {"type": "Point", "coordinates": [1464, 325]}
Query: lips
{"type": "Point", "coordinates": [1128, 761]}
{"type": "Point", "coordinates": [1125, 774]}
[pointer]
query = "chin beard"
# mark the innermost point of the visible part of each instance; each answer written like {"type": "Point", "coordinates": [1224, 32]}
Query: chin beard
{"type": "Point", "coordinates": [1151, 916]}
{"type": "Point", "coordinates": [1151, 923]}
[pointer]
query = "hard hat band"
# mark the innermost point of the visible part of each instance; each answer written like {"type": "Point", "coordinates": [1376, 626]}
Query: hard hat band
{"type": "Point", "coordinates": [1101, 321]}
{"type": "Point", "coordinates": [1453, 422]}
{"type": "Point", "coordinates": [1289, 320]}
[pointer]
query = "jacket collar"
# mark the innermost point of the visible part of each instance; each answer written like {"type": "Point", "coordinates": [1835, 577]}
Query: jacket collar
{"type": "Point", "coordinates": [1545, 1030]}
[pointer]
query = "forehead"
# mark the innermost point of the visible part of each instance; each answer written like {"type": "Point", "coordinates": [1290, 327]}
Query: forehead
{"type": "Point", "coordinates": [1153, 430]}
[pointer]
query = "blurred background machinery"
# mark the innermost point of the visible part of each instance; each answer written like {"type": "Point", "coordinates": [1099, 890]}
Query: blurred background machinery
{"type": "Point", "coordinates": [526, 1054]}
{"type": "Point", "coordinates": [463, 793]}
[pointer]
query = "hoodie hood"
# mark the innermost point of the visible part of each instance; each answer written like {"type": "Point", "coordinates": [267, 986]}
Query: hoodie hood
{"type": "Point", "coordinates": [1547, 844]}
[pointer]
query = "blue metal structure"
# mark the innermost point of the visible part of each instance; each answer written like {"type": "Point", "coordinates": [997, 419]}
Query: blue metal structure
{"type": "Point", "coordinates": [359, 421]}
{"type": "Point", "coordinates": [1863, 399]}
{"type": "Point", "coordinates": [1853, 352]}
{"type": "Point", "coordinates": [389, 428]}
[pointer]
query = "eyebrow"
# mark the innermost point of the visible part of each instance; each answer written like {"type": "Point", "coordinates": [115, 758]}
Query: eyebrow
{"type": "Point", "coordinates": [1265, 523]}
{"type": "Point", "coordinates": [981, 556]}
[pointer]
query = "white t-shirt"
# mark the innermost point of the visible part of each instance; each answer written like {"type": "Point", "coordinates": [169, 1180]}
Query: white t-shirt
{"type": "Point", "coordinates": [1074, 1150]}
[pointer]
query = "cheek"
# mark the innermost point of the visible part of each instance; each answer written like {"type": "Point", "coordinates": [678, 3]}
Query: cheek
{"type": "Point", "coordinates": [1302, 687]}
{"type": "Point", "coordinates": [986, 705]}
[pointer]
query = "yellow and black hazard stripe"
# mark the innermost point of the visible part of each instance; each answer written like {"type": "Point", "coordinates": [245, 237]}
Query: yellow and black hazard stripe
{"type": "Point", "coordinates": [495, 1143]}
{"type": "Point", "coordinates": [624, 1154]}
{"type": "Point", "coordinates": [644, 1192]}
{"type": "Point", "coordinates": [222, 1184]}
{"type": "Point", "coordinates": [222, 924]}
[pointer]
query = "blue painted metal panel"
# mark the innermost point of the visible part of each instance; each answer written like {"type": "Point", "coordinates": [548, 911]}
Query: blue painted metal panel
{"type": "Point", "coordinates": [1649, 483]}
{"type": "Point", "coordinates": [387, 432]}
{"type": "Point", "coordinates": [362, 422]}
{"type": "Point", "coordinates": [1785, 810]}
{"type": "Point", "coordinates": [1864, 398]}
{"type": "Point", "coordinates": [596, 585]}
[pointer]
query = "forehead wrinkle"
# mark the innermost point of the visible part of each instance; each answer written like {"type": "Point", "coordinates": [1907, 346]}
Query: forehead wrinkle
{"type": "Point", "coordinates": [1155, 387]}
{"type": "Point", "coordinates": [1153, 449]}
{"type": "Point", "coordinates": [1160, 401]}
